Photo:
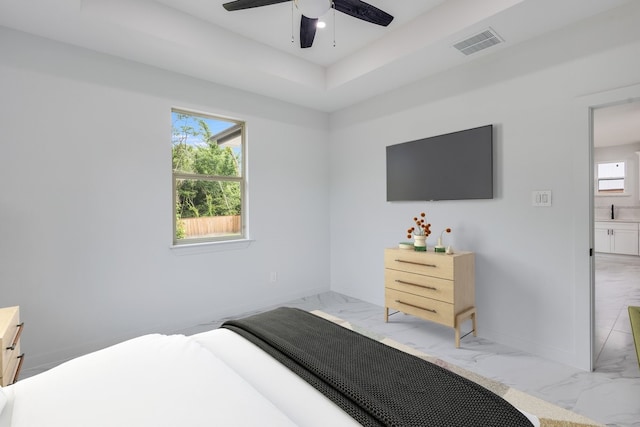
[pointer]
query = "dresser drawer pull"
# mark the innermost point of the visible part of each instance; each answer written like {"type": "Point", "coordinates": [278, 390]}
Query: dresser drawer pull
{"type": "Point", "coordinates": [416, 263]}
{"type": "Point", "coordinates": [415, 284]}
{"type": "Point", "coordinates": [17, 338]}
{"type": "Point", "coordinates": [416, 306]}
{"type": "Point", "coordinates": [15, 377]}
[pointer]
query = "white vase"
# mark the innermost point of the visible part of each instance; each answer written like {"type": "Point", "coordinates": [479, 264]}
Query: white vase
{"type": "Point", "coordinates": [419, 243]}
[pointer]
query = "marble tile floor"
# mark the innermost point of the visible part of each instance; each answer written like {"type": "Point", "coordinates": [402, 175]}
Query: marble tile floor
{"type": "Point", "coordinates": [617, 280]}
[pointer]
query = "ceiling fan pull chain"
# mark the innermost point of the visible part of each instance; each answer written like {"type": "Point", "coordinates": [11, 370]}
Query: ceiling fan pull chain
{"type": "Point", "coordinates": [292, 41]}
{"type": "Point", "coordinates": [333, 5]}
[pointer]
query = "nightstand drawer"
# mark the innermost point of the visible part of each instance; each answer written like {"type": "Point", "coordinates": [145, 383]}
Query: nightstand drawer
{"type": "Point", "coordinates": [426, 308]}
{"type": "Point", "coordinates": [9, 334]}
{"type": "Point", "coordinates": [426, 263]}
{"type": "Point", "coordinates": [418, 284]}
{"type": "Point", "coordinates": [12, 359]}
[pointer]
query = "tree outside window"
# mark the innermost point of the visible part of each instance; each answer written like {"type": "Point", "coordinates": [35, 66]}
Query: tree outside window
{"type": "Point", "coordinates": [208, 178]}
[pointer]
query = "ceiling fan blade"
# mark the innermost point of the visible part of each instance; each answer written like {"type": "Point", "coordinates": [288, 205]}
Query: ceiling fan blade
{"type": "Point", "coordinates": [307, 31]}
{"type": "Point", "coordinates": [248, 4]}
{"type": "Point", "coordinates": [361, 10]}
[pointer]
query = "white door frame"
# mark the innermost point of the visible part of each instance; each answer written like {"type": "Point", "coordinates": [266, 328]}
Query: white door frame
{"type": "Point", "coordinates": [596, 101]}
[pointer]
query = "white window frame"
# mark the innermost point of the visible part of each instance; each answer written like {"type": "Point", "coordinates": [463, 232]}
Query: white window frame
{"type": "Point", "coordinates": [241, 180]}
{"type": "Point", "coordinates": [611, 178]}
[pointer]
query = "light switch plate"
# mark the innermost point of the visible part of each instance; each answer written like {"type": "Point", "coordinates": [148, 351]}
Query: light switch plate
{"type": "Point", "coordinates": [541, 198]}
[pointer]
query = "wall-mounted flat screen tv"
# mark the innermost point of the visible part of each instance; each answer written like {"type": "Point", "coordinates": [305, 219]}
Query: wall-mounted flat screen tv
{"type": "Point", "coordinates": [454, 166]}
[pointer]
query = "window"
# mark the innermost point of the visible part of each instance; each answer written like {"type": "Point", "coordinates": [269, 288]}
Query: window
{"type": "Point", "coordinates": [611, 177]}
{"type": "Point", "coordinates": [208, 178]}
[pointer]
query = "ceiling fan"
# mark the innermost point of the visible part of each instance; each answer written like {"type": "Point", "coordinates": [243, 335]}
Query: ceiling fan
{"type": "Point", "coordinates": [313, 9]}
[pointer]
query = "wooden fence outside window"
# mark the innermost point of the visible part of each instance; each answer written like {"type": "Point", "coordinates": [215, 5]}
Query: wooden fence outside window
{"type": "Point", "coordinates": [211, 226]}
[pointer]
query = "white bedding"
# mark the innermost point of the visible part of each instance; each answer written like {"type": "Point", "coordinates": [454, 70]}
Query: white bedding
{"type": "Point", "coordinates": [216, 378]}
{"type": "Point", "coordinates": [158, 380]}
{"type": "Point", "coordinates": [302, 403]}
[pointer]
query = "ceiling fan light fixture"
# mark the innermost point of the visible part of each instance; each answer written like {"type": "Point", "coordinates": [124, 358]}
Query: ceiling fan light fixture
{"type": "Point", "coordinates": [321, 24]}
{"type": "Point", "coordinates": [313, 8]}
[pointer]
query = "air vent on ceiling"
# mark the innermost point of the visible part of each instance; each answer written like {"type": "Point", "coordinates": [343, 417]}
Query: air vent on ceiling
{"type": "Point", "coordinates": [480, 41]}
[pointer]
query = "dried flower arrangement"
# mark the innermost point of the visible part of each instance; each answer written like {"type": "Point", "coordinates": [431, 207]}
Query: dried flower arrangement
{"type": "Point", "coordinates": [422, 228]}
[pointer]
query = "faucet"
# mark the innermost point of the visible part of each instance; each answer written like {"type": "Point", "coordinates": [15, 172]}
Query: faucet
{"type": "Point", "coordinates": [612, 217]}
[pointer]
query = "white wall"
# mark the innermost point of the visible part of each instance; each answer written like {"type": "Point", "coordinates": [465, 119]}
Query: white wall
{"type": "Point", "coordinates": [532, 263]}
{"type": "Point", "coordinates": [85, 201]}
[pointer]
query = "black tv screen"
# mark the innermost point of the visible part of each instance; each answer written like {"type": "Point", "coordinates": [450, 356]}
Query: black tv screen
{"type": "Point", "coordinates": [454, 166]}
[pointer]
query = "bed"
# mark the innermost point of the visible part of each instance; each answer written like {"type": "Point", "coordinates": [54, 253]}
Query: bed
{"type": "Point", "coordinates": [284, 367]}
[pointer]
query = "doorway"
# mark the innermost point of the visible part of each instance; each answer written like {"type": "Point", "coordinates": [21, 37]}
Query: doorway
{"type": "Point", "coordinates": [616, 214]}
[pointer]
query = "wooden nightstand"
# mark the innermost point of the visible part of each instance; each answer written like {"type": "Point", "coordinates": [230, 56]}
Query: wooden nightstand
{"type": "Point", "coordinates": [433, 286]}
{"type": "Point", "coordinates": [10, 356]}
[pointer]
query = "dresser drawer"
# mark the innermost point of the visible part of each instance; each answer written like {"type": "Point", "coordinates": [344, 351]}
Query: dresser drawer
{"type": "Point", "coordinates": [418, 284]}
{"type": "Point", "coordinates": [433, 286]}
{"type": "Point", "coordinates": [426, 263]}
{"type": "Point", "coordinates": [425, 308]}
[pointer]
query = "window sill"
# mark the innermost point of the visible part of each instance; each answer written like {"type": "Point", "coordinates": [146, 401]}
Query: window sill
{"type": "Point", "coordinates": [205, 247]}
{"type": "Point", "coordinates": [613, 195]}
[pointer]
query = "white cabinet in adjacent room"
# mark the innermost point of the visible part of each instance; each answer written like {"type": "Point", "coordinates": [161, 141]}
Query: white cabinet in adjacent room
{"type": "Point", "coordinates": [601, 235]}
{"type": "Point", "coordinates": [616, 237]}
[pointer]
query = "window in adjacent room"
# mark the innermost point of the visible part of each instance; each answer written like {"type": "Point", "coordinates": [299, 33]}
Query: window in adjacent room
{"type": "Point", "coordinates": [208, 178]}
{"type": "Point", "coordinates": [610, 176]}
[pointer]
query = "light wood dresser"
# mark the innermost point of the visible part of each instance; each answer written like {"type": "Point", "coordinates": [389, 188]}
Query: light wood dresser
{"type": "Point", "coordinates": [431, 285]}
{"type": "Point", "coordinates": [10, 356]}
